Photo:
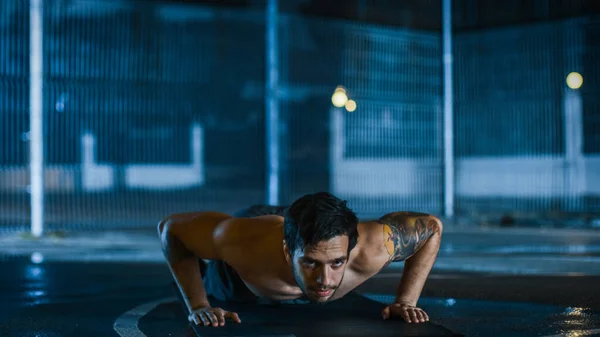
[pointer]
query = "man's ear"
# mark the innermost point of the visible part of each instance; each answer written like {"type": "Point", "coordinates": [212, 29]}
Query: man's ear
{"type": "Point", "coordinates": [286, 252]}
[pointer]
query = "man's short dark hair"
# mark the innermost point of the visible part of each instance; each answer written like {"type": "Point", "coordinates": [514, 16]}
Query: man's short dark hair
{"type": "Point", "coordinates": [318, 217]}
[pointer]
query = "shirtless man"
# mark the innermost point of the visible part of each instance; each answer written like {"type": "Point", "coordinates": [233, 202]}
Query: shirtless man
{"type": "Point", "coordinates": [317, 251]}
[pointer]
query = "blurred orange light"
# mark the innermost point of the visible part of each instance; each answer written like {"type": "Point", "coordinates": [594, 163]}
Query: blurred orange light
{"type": "Point", "coordinates": [350, 106]}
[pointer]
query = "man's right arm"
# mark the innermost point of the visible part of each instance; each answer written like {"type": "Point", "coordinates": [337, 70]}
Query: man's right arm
{"type": "Point", "coordinates": [185, 238]}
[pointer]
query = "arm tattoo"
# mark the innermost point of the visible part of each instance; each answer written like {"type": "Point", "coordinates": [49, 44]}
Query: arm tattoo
{"type": "Point", "coordinates": [404, 233]}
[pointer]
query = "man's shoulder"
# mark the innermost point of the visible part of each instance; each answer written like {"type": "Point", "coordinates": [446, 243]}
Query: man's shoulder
{"type": "Point", "coordinates": [368, 256]}
{"type": "Point", "coordinates": [370, 235]}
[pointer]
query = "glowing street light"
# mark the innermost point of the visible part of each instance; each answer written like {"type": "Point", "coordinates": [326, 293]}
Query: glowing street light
{"type": "Point", "coordinates": [574, 80]}
{"type": "Point", "coordinates": [350, 105]}
{"type": "Point", "coordinates": [339, 97]}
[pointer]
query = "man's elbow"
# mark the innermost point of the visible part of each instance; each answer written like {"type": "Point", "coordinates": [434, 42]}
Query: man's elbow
{"type": "Point", "coordinates": [165, 229]}
{"type": "Point", "coordinates": [162, 226]}
{"type": "Point", "coordinates": [438, 226]}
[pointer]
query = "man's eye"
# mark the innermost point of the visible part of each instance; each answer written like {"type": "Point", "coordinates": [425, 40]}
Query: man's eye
{"type": "Point", "coordinates": [338, 263]}
{"type": "Point", "coordinates": [309, 263]}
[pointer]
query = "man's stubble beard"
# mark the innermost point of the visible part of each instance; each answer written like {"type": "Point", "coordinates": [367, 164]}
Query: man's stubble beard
{"type": "Point", "coordinates": [305, 290]}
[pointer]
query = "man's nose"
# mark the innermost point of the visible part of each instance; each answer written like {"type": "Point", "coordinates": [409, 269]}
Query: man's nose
{"type": "Point", "coordinates": [324, 276]}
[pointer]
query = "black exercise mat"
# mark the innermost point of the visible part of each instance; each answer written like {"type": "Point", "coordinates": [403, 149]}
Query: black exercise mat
{"type": "Point", "coordinates": [354, 315]}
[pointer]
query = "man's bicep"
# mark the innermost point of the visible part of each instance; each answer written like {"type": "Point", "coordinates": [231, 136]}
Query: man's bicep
{"type": "Point", "coordinates": [404, 233]}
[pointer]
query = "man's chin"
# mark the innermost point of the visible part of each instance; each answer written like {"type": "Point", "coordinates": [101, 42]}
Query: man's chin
{"type": "Point", "coordinates": [320, 299]}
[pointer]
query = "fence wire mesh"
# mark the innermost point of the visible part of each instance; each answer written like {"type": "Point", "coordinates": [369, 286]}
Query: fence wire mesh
{"type": "Point", "coordinates": [159, 107]}
{"type": "Point", "coordinates": [525, 140]}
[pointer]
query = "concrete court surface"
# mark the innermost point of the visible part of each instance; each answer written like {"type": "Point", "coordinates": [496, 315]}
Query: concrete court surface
{"type": "Point", "coordinates": [496, 282]}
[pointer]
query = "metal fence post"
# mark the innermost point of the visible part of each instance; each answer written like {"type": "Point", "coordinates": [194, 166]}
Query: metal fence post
{"type": "Point", "coordinates": [36, 118]}
{"type": "Point", "coordinates": [448, 111]}
{"type": "Point", "coordinates": [272, 104]}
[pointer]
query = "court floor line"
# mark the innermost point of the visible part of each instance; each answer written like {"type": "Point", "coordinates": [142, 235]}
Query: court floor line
{"type": "Point", "coordinates": [126, 325]}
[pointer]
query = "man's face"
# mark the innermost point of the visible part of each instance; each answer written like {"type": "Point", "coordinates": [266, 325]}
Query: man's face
{"type": "Point", "coordinates": [319, 270]}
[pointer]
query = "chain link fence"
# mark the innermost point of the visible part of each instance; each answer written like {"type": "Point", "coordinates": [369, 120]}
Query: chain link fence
{"type": "Point", "coordinates": [144, 112]}
{"type": "Point", "coordinates": [159, 107]}
{"type": "Point", "coordinates": [526, 126]}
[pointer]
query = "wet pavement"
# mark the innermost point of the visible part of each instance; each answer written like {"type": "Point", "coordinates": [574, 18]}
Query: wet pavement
{"type": "Point", "coordinates": [488, 283]}
{"type": "Point", "coordinates": [76, 299]}
{"type": "Point", "coordinates": [492, 305]}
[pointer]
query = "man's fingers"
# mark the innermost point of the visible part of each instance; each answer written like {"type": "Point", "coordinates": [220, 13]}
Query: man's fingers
{"type": "Point", "coordinates": [221, 318]}
{"type": "Point", "coordinates": [209, 318]}
{"type": "Point", "coordinates": [403, 311]}
{"type": "Point", "coordinates": [420, 315]}
{"type": "Point", "coordinates": [406, 315]}
{"type": "Point", "coordinates": [385, 313]}
{"type": "Point", "coordinates": [413, 315]}
{"type": "Point", "coordinates": [234, 317]}
{"type": "Point", "coordinates": [213, 319]}
{"type": "Point", "coordinates": [202, 318]}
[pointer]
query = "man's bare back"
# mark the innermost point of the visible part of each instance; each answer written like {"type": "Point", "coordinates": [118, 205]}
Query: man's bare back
{"type": "Point", "coordinates": [319, 251]}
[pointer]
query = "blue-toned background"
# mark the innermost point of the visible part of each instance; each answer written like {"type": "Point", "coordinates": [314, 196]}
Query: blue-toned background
{"type": "Point", "coordinates": [156, 107]}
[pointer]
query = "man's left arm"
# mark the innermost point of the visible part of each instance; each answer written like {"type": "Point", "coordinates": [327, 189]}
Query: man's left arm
{"type": "Point", "coordinates": [414, 238]}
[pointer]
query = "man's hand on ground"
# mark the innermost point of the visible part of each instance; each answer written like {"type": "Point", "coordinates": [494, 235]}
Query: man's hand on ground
{"type": "Point", "coordinates": [409, 313]}
{"type": "Point", "coordinates": [212, 316]}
